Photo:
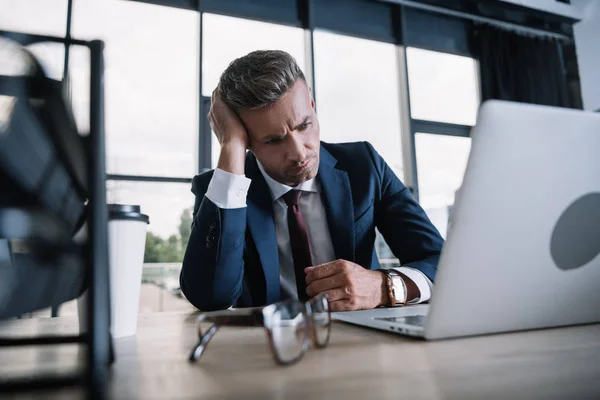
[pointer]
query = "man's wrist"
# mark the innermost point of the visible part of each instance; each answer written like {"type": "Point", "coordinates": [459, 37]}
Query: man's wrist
{"type": "Point", "coordinates": [232, 158]}
{"type": "Point", "coordinates": [384, 296]}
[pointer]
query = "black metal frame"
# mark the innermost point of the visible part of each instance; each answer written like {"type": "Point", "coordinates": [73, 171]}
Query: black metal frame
{"type": "Point", "coordinates": [440, 128]}
{"type": "Point", "coordinates": [97, 339]}
{"type": "Point", "coordinates": [205, 137]}
{"type": "Point", "coordinates": [143, 178]}
{"type": "Point", "coordinates": [203, 133]}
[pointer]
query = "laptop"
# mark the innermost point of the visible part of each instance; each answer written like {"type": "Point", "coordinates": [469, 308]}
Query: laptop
{"type": "Point", "coordinates": [523, 246]}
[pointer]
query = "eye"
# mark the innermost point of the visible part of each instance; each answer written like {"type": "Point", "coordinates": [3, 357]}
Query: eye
{"type": "Point", "coordinates": [273, 141]}
{"type": "Point", "coordinates": [304, 125]}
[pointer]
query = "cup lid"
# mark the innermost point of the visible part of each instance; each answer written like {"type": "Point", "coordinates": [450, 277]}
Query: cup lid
{"type": "Point", "coordinates": [129, 212]}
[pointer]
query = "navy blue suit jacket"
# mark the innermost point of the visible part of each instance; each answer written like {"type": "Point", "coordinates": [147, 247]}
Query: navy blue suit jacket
{"type": "Point", "coordinates": [232, 256]}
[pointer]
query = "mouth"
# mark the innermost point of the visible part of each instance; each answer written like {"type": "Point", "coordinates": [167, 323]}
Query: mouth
{"type": "Point", "coordinates": [303, 167]}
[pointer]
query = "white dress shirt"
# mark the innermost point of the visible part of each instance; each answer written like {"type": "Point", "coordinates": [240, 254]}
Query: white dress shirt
{"type": "Point", "coordinates": [228, 190]}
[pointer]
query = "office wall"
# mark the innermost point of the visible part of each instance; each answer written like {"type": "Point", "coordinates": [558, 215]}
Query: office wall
{"type": "Point", "coordinates": [587, 42]}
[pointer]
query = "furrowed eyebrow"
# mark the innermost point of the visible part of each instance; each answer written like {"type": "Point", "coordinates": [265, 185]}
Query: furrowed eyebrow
{"type": "Point", "coordinates": [304, 121]}
{"type": "Point", "coordinates": [282, 136]}
{"type": "Point", "coordinates": [274, 137]}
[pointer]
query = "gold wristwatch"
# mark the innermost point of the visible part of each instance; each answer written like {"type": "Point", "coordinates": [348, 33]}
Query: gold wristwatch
{"type": "Point", "coordinates": [397, 292]}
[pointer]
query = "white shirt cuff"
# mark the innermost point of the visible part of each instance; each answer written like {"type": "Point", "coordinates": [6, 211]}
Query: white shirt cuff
{"type": "Point", "coordinates": [228, 190]}
{"type": "Point", "coordinates": [421, 280]}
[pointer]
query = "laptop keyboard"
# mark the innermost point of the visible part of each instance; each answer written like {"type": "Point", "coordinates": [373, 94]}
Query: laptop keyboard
{"type": "Point", "coordinates": [418, 320]}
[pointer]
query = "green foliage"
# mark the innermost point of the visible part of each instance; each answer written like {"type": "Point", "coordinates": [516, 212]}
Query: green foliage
{"type": "Point", "coordinates": [172, 249]}
{"type": "Point", "coordinates": [154, 244]}
{"type": "Point", "coordinates": [185, 226]}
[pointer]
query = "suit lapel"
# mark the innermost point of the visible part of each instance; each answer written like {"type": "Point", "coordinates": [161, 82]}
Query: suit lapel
{"type": "Point", "coordinates": [261, 223]}
{"type": "Point", "coordinates": [337, 198]}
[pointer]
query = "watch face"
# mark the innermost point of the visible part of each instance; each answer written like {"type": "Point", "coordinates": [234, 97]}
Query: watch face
{"type": "Point", "coordinates": [399, 289]}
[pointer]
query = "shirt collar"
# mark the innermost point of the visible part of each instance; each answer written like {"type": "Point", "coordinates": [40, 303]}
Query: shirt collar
{"type": "Point", "coordinates": [279, 189]}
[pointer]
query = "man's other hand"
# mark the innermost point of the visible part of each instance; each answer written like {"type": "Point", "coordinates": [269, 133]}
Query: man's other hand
{"type": "Point", "coordinates": [347, 285]}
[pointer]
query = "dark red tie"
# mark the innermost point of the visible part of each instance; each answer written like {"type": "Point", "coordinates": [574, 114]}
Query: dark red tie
{"type": "Point", "coordinates": [298, 240]}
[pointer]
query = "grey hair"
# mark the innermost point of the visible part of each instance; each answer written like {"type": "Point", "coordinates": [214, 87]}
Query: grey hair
{"type": "Point", "coordinates": [258, 79]}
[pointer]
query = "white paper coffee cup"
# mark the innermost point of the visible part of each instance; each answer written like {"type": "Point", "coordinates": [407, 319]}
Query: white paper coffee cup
{"type": "Point", "coordinates": [126, 241]}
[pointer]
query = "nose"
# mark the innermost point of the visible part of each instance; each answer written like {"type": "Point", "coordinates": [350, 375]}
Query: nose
{"type": "Point", "coordinates": [296, 151]}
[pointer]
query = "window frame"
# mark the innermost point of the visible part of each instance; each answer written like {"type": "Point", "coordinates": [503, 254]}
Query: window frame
{"type": "Point", "coordinates": [396, 26]}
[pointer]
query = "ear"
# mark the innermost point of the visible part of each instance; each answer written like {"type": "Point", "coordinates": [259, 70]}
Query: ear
{"type": "Point", "coordinates": [312, 98]}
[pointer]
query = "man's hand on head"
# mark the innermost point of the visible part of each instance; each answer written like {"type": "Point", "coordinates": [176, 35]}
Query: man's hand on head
{"type": "Point", "coordinates": [347, 285]}
{"type": "Point", "coordinates": [231, 133]}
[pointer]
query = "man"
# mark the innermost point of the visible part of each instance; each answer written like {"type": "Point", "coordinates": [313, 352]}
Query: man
{"type": "Point", "coordinates": [296, 217]}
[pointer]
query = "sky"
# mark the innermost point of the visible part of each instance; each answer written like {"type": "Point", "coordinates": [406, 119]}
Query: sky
{"type": "Point", "coordinates": [152, 94]}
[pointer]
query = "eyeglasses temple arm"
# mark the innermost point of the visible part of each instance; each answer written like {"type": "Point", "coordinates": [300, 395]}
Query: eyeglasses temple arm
{"type": "Point", "coordinates": [202, 343]}
{"type": "Point", "coordinates": [255, 318]}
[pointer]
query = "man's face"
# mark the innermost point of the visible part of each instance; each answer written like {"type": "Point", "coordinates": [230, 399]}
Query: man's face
{"type": "Point", "coordinates": [284, 136]}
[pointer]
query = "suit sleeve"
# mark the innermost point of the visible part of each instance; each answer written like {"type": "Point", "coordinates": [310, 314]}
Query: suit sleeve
{"type": "Point", "coordinates": [213, 265]}
{"type": "Point", "coordinates": [403, 223]}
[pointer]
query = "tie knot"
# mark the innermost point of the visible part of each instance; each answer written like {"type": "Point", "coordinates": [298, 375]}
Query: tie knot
{"type": "Point", "coordinates": [292, 198]}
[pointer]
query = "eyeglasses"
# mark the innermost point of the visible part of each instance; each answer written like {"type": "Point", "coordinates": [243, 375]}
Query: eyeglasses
{"type": "Point", "coordinates": [288, 325]}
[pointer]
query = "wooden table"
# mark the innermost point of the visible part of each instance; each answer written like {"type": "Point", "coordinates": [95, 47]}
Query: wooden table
{"type": "Point", "coordinates": [359, 364]}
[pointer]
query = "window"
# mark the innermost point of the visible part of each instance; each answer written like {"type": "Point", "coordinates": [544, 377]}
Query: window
{"type": "Point", "coordinates": [441, 164]}
{"type": "Point", "coordinates": [79, 76]}
{"type": "Point", "coordinates": [43, 17]}
{"type": "Point", "coordinates": [357, 93]}
{"type": "Point", "coordinates": [151, 105]}
{"type": "Point", "coordinates": [357, 99]}
{"type": "Point", "coordinates": [443, 87]}
{"type": "Point", "coordinates": [228, 38]}
{"type": "Point", "coordinates": [151, 84]}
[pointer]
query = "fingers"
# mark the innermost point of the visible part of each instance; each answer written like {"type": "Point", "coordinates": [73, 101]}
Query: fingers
{"type": "Point", "coordinates": [347, 285]}
{"type": "Point", "coordinates": [323, 270]}
{"type": "Point", "coordinates": [211, 111]}
{"type": "Point", "coordinates": [215, 94]}
{"type": "Point", "coordinates": [322, 285]}
{"type": "Point", "coordinates": [343, 305]}
{"type": "Point", "coordinates": [215, 98]}
{"type": "Point", "coordinates": [334, 295]}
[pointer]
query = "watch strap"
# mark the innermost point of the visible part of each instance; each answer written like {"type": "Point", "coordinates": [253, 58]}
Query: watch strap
{"type": "Point", "coordinates": [390, 287]}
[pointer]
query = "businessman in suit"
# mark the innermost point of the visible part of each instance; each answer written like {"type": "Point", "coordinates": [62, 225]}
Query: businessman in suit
{"type": "Point", "coordinates": [295, 217]}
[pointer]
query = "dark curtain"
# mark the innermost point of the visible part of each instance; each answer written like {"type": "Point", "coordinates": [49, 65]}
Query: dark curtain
{"type": "Point", "coordinates": [520, 68]}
